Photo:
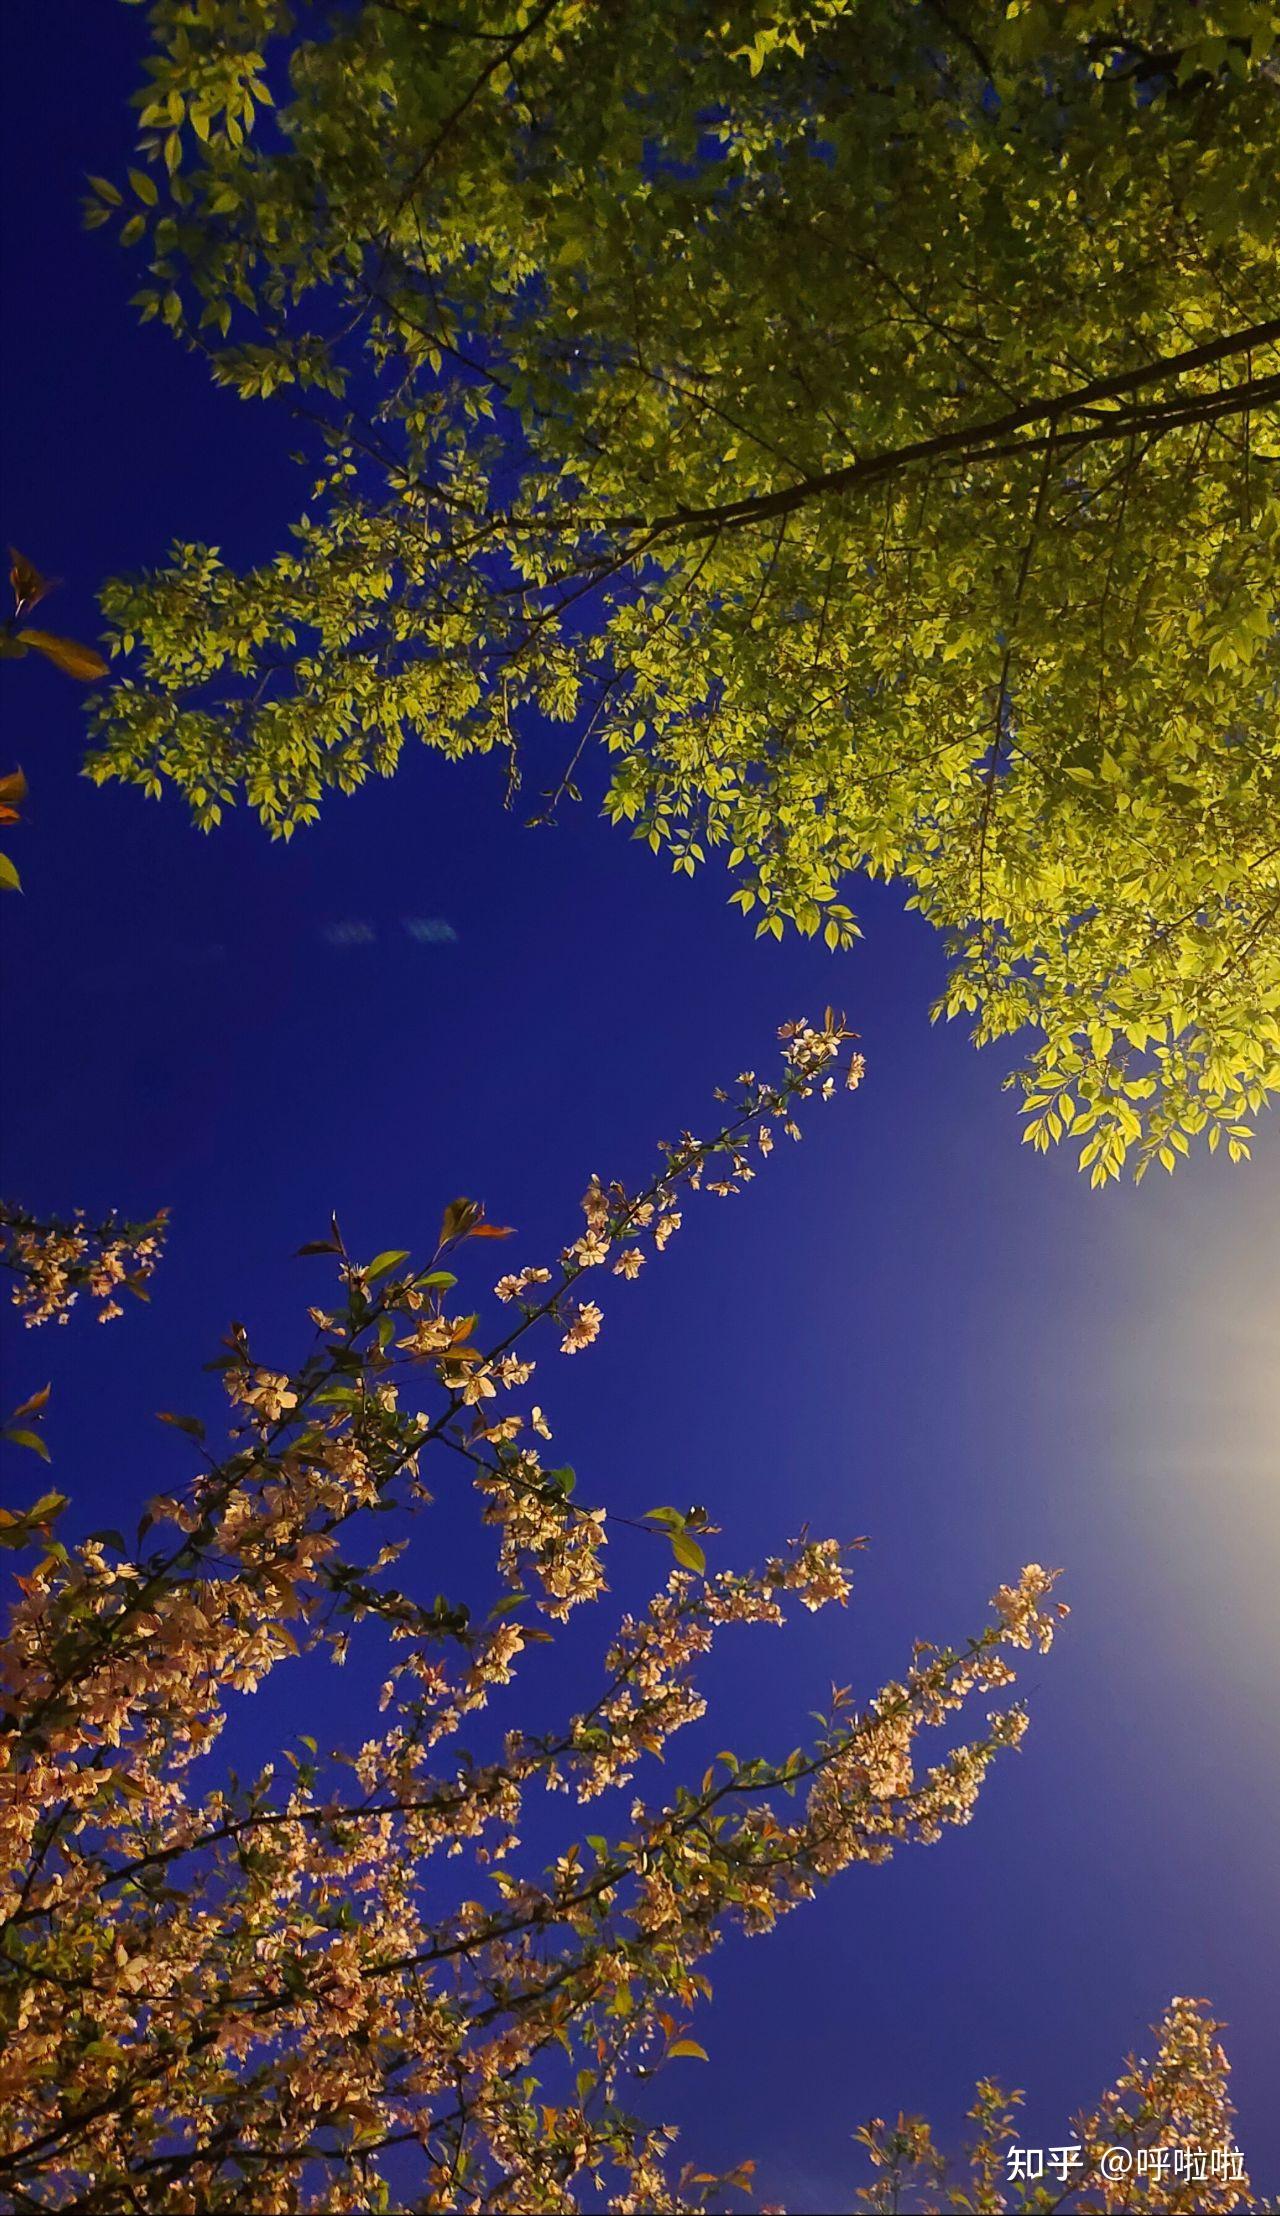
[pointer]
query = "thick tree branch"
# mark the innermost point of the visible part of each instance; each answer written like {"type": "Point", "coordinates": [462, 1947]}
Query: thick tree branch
{"type": "Point", "coordinates": [987, 440]}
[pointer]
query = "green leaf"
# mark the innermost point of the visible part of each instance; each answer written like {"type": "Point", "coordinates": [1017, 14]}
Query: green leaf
{"type": "Point", "coordinates": [21, 1437]}
{"type": "Point", "coordinates": [687, 1551]}
{"type": "Point", "coordinates": [458, 1218]}
{"type": "Point", "coordinates": [389, 1259]}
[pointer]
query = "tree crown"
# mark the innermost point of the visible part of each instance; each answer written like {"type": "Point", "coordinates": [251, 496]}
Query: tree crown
{"type": "Point", "coordinates": [860, 421]}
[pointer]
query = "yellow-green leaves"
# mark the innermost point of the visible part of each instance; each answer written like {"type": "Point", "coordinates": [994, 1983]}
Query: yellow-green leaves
{"type": "Point", "coordinates": [874, 484]}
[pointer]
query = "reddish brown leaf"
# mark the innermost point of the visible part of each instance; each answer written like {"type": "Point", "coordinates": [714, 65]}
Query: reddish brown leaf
{"type": "Point", "coordinates": [37, 1401]}
{"type": "Point", "coordinates": [28, 584]}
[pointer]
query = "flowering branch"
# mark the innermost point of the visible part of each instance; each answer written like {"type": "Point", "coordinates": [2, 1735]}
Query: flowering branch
{"type": "Point", "coordinates": [53, 1261]}
{"type": "Point", "coordinates": [1160, 2139]}
{"type": "Point", "coordinates": [268, 1989]}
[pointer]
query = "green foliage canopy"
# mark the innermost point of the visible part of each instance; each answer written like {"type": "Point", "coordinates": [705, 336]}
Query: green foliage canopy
{"type": "Point", "coordinates": [860, 419]}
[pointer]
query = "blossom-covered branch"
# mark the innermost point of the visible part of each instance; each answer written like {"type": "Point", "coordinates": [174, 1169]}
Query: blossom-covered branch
{"type": "Point", "coordinates": [53, 1259]}
{"type": "Point", "coordinates": [1160, 2139]}
{"type": "Point", "coordinates": [268, 1992]}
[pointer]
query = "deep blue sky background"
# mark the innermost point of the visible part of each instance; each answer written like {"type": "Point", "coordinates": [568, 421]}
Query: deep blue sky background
{"type": "Point", "coordinates": [909, 1327]}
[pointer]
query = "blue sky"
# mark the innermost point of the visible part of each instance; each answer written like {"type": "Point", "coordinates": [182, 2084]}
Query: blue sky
{"type": "Point", "coordinates": [909, 1327]}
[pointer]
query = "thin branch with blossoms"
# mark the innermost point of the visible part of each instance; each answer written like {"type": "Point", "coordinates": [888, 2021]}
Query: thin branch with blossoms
{"type": "Point", "coordinates": [54, 1259]}
{"type": "Point", "coordinates": [277, 1993]}
{"type": "Point", "coordinates": [1159, 2143]}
